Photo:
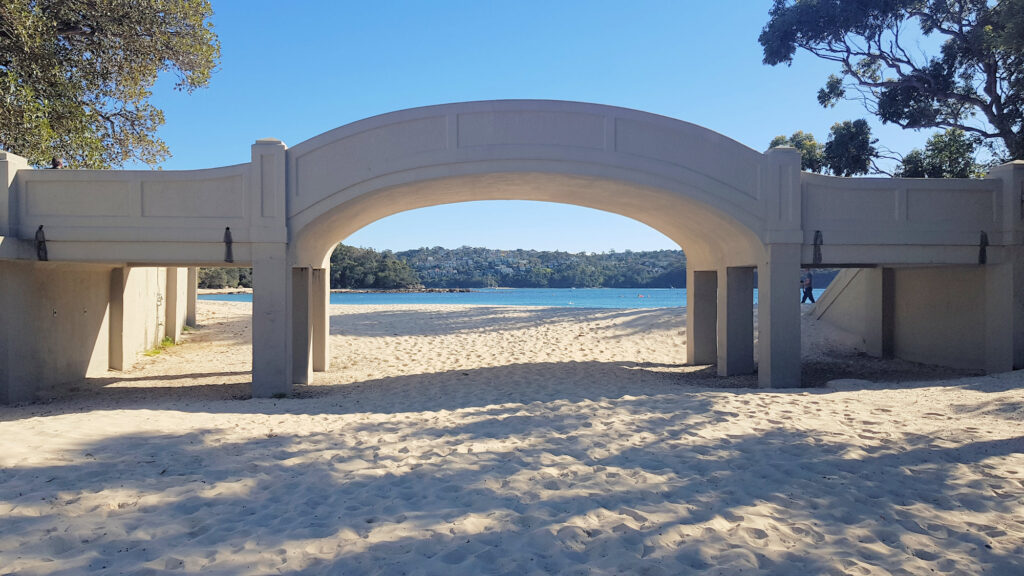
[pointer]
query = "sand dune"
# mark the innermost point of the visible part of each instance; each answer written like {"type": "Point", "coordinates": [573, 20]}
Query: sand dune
{"type": "Point", "coordinates": [480, 440]}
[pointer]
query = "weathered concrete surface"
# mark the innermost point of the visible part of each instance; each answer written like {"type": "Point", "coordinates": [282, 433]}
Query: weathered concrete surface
{"type": "Point", "coordinates": [59, 323]}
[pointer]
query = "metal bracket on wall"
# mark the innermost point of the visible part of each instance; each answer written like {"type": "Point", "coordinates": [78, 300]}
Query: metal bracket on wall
{"type": "Point", "coordinates": [982, 248]}
{"type": "Point", "coordinates": [818, 241]}
{"type": "Point", "coordinates": [228, 256]}
{"type": "Point", "coordinates": [41, 244]}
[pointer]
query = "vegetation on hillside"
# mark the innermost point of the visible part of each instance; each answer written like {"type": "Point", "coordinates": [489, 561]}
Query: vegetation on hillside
{"type": "Point", "coordinates": [364, 268]}
{"type": "Point", "coordinates": [468, 267]}
{"type": "Point", "coordinates": [361, 268]}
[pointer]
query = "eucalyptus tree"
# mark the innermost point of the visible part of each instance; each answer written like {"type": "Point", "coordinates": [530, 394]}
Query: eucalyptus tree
{"type": "Point", "coordinates": [972, 79]}
{"type": "Point", "coordinates": [76, 76]}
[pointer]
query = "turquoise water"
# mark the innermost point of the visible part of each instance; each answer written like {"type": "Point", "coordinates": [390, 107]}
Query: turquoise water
{"type": "Point", "coordinates": [561, 297]}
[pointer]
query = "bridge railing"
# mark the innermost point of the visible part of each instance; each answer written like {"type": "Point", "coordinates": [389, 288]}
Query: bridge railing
{"type": "Point", "coordinates": [152, 216]}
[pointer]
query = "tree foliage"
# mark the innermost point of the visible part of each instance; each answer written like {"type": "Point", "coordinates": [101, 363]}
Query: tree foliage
{"type": "Point", "coordinates": [812, 152]}
{"type": "Point", "coordinates": [364, 268]}
{"type": "Point", "coordinates": [974, 83]}
{"type": "Point", "coordinates": [949, 154]}
{"type": "Point", "coordinates": [76, 75]}
{"type": "Point", "coordinates": [850, 149]}
{"type": "Point", "coordinates": [225, 277]}
{"type": "Point", "coordinates": [469, 267]}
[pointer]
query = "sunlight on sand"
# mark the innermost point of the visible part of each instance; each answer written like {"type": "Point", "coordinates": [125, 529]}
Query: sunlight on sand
{"type": "Point", "coordinates": [537, 441]}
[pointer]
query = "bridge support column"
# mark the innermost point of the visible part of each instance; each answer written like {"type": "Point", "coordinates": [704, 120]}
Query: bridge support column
{"type": "Point", "coordinates": [302, 325]}
{"type": "Point", "coordinates": [778, 314]}
{"type": "Point", "coordinates": [174, 307]}
{"type": "Point", "coordinates": [117, 355]}
{"type": "Point", "coordinates": [1004, 283]}
{"type": "Point", "coordinates": [879, 311]}
{"type": "Point", "coordinates": [271, 321]}
{"type": "Point", "coordinates": [1000, 295]}
{"type": "Point", "coordinates": [190, 300]}
{"type": "Point", "coordinates": [321, 320]}
{"type": "Point", "coordinates": [736, 321]}
{"type": "Point", "coordinates": [701, 316]}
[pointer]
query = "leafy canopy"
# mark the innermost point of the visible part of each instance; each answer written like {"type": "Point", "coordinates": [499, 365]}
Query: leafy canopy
{"type": "Point", "coordinates": [811, 151]}
{"type": "Point", "coordinates": [948, 154]}
{"type": "Point", "coordinates": [76, 75]}
{"type": "Point", "coordinates": [848, 151]}
{"type": "Point", "coordinates": [975, 82]}
{"type": "Point", "coordinates": [850, 148]}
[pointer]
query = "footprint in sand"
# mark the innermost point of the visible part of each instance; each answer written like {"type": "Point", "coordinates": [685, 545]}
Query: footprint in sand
{"type": "Point", "coordinates": [756, 534]}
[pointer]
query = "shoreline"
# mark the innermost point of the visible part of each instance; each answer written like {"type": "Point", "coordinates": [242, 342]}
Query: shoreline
{"type": "Point", "coordinates": [241, 290]}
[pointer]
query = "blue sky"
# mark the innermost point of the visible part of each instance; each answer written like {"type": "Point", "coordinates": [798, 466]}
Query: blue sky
{"type": "Point", "coordinates": [292, 70]}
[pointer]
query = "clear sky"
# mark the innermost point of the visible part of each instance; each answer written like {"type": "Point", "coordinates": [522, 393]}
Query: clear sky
{"type": "Point", "coordinates": [292, 70]}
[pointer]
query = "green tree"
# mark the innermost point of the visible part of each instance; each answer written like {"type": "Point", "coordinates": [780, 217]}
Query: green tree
{"type": "Point", "coordinates": [850, 149]}
{"type": "Point", "coordinates": [76, 75]}
{"type": "Point", "coordinates": [353, 267]}
{"type": "Point", "coordinates": [975, 83]}
{"type": "Point", "coordinates": [949, 154]}
{"type": "Point", "coordinates": [812, 157]}
{"type": "Point", "coordinates": [212, 278]}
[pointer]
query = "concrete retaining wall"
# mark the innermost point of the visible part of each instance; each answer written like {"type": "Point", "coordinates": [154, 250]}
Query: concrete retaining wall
{"type": "Point", "coordinates": [63, 322]}
{"type": "Point", "coordinates": [55, 326]}
{"type": "Point", "coordinates": [843, 305]}
{"type": "Point", "coordinates": [939, 316]}
{"type": "Point", "coordinates": [933, 315]}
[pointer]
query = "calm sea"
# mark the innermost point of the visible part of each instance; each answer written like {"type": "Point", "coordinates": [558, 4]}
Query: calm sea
{"type": "Point", "coordinates": [561, 297]}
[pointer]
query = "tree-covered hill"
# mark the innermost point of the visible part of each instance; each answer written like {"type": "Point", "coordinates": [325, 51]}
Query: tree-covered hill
{"type": "Point", "coordinates": [468, 267]}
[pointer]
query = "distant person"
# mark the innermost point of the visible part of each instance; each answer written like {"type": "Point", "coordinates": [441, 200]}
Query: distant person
{"type": "Point", "coordinates": [807, 283]}
{"type": "Point", "coordinates": [57, 163]}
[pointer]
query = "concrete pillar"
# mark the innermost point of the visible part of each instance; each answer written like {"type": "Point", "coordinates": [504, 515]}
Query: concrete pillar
{"type": "Point", "coordinates": [701, 316]}
{"type": "Point", "coordinates": [116, 354]}
{"type": "Point", "coordinates": [271, 321]}
{"type": "Point", "coordinates": [321, 319]}
{"type": "Point", "coordinates": [171, 326]}
{"type": "Point", "coordinates": [302, 325]}
{"type": "Point", "coordinates": [193, 296]}
{"type": "Point", "coordinates": [9, 166]}
{"type": "Point", "coordinates": [736, 321]}
{"type": "Point", "coordinates": [879, 311]}
{"type": "Point", "coordinates": [1011, 232]}
{"type": "Point", "coordinates": [999, 328]}
{"type": "Point", "coordinates": [779, 317]}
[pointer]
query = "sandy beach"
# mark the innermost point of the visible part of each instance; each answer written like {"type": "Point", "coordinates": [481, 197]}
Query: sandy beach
{"type": "Point", "coordinates": [498, 440]}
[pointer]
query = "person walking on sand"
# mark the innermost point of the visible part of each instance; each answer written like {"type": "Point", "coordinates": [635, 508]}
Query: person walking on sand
{"type": "Point", "coordinates": [807, 283]}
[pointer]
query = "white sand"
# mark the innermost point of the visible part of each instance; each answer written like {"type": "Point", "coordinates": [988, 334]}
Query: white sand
{"type": "Point", "coordinates": [478, 440]}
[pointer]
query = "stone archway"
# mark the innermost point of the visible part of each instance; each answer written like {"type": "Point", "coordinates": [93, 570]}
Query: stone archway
{"type": "Point", "coordinates": [731, 208]}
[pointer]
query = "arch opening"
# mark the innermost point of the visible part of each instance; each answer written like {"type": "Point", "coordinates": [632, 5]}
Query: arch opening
{"type": "Point", "coordinates": [707, 236]}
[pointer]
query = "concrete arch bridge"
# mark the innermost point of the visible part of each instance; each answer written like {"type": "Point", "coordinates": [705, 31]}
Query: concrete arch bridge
{"type": "Point", "coordinates": [940, 261]}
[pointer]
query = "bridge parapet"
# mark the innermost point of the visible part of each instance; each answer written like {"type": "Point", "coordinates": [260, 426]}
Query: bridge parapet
{"type": "Point", "coordinates": [150, 215]}
{"type": "Point", "coordinates": [909, 220]}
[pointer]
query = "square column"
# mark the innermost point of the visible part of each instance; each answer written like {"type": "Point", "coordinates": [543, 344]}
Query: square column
{"type": "Point", "coordinates": [302, 325]}
{"type": "Point", "coordinates": [9, 166]}
{"type": "Point", "coordinates": [193, 294]}
{"type": "Point", "coordinates": [116, 357]}
{"type": "Point", "coordinates": [321, 319]}
{"type": "Point", "coordinates": [999, 317]}
{"type": "Point", "coordinates": [172, 328]}
{"type": "Point", "coordinates": [271, 321]}
{"type": "Point", "coordinates": [778, 314]}
{"type": "Point", "coordinates": [701, 316]}
{"type": "Point", "coordinates": [736, 322]}
{"type": "Point", "coordinates": [879, 310]}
